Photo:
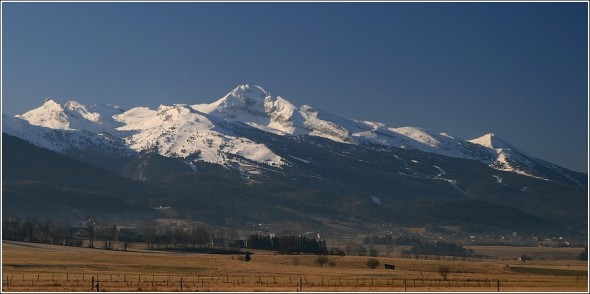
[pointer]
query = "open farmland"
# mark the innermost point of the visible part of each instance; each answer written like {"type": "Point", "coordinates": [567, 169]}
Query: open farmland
{"type": "Point", "coordinates": [40, 267]}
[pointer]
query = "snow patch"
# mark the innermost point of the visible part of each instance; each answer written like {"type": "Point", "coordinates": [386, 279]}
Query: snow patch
{"type": "Point", "coordinates": [498, 179]}
{"type": "Point", "coordinates": [376, 200]}
{"type": "Point", "coordinates": [440, 171]}
{"type": "Point", "coordinates": [300, 159]}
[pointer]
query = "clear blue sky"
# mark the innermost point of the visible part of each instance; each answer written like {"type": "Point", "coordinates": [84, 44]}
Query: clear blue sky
{"type": "Point", "coordinates": [519, 70]}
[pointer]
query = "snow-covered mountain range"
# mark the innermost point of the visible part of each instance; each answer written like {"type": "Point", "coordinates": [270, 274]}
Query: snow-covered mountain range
{"type": "Point", "coordinates": [212, 132]}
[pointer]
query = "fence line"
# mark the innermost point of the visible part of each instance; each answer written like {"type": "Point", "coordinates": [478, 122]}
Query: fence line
{"type": "Point", "coordinates": [113, 282]}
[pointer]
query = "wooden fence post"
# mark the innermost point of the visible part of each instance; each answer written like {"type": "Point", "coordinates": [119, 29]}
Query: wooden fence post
{"type": "Point", "coordinates": [498, 284]}
{"type": "Point", "coordinates": [92, 284]}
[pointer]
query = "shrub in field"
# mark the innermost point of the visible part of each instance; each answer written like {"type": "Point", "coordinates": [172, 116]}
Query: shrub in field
{"type": "Point", "coordinates": [353, 248]}
{"type": "Point", "coordinates": [331, 263]}
{"type": "Point", "coordinates": [336, 251]}
{"type": "Point", "coordinates": [295, 260]}
{"type": "Point", "coordinates": [524, 258]}
{"type": "Point", "coordinates": [439, 248]}
{"type": "Point", "coordinates": [444, 271]}
{"type": "Point", "coordinates": [321, 260]}
{"type": "Point", "coordinates": [373, 263]}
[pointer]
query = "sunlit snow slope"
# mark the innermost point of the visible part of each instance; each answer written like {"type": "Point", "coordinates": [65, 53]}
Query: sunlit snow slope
{"type": "Point", "coordinates": [211, 132]}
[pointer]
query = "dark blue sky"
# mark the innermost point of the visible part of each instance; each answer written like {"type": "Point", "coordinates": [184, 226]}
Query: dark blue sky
{"type": "Point", "coordinates": [519, 70]}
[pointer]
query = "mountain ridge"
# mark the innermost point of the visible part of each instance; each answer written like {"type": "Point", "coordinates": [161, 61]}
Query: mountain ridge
{"type": "Point", "coordinates": [269, 161]}
{"type": "Point", "coordinates": [323, 182]}
{"type": "Point", "coordinates": [199, 131]}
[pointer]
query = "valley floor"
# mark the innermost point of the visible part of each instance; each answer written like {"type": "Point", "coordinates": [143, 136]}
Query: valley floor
{"type": "Point", "coordinates": [40, 267]}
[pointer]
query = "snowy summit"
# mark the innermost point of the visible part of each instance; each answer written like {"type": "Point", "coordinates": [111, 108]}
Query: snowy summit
{"type": "Point", "coordinates": [210, 132]}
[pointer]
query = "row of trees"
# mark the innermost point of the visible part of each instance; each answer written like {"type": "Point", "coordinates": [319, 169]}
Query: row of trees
{"type": "Point", "coordinates": [195, 235]}
{"type": "Point", "coordinates": [33, 230]}
{"type": "Point", "coordinates": [110, 235]}
{"type": "Point", "coordinates": [288, 244]}
{"type": "Point", "coordinates": [389, 240]}
{"type": "Point", "coordinates": [154, 235]}
{"type": "Point", "coordinates": [441, 249]}
{"type": "Point", "coordinates": [59, 232]}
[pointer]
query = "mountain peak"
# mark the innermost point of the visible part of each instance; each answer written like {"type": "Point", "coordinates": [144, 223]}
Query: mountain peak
{"type": "Point", "coordinates": [243, 100]}
{"type": "Point", "coordinates": [245, 96]}
{"type": "Point", "coordinates": [50, 104]}
{"type": "Point", "coordinates": [175, 111]}
{"type": "Point", "coordinates": [51, 115]}
{"type": "Point", "coordinates": [180, 130]}
{"type": "Point", "coordinates": [490, 140]}
{"type": "Point", "coordinates": [74, 105]}
{"type": "Point", "coordinates": [246, 89]}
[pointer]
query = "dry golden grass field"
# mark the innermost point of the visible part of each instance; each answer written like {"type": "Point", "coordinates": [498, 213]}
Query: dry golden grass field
{"type": "Point", "coordinates": [39, 267]}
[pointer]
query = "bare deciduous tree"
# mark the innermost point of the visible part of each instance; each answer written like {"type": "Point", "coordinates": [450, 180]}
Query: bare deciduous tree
{"type": "Point", "coordinates": [321, 260]}
{"type": "Point", "coordinates": [444, 271]}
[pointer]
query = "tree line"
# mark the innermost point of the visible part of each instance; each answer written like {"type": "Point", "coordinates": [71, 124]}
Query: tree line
{"type": "Point", "coordinates": [34, 230]}
{"type": "Point", "coordinates": [288, 244]}
{"type": "Point", "coordinates": [389, 240]}
{"type": "Point", "coordinates": [439, 248]}
{"type": "Point", "coordinates": [194, 235]}
{"type": "Point", "coordinates": [62, 232]}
